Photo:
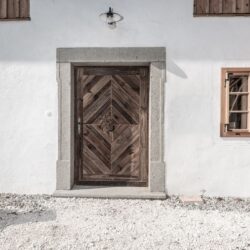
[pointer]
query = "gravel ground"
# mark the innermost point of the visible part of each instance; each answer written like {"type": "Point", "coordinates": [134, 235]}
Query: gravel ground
{"type": "Point", "coordinates": [43, 222]}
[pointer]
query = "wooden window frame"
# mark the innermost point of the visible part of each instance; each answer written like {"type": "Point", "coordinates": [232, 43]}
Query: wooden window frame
{"type": "Point", "coordinates": [224, 132]}
{"type": "Point", "coordinates": [19, 14]}
{"type": "Point", "coordinates": [219, 11]}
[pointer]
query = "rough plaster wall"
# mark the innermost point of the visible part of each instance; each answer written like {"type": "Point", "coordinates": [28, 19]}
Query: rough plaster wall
{"type": "Point", "coordinates": [197, 159]}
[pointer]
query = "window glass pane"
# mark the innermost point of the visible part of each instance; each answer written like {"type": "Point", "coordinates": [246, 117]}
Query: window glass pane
{"type": "Point", "coordinates": [238, 84]}
{"type": "Point", "coordinates": [238, 102]}
{"type": "Point", "coordinates": [238, 121]}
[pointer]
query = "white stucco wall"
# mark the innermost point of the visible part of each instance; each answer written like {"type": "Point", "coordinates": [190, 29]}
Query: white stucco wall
{"type": "Point", "coordinates": [198, 160]}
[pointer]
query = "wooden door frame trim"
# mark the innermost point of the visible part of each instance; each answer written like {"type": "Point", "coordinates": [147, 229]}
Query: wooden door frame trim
{"type": "Point", "coordinates": [67, 59]}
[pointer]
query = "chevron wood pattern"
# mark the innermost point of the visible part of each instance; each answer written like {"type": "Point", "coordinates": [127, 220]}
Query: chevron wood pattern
{"type": "Point", "coordinates": [111, 113]}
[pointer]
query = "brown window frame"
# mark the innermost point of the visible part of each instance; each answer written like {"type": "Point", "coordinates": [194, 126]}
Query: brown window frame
{"type": "Point", "coordinates": [15, 10]}
{"type": "Point", "coordinates": [225, 94]}
{"type": "Point", "coordinates": [220, 8]}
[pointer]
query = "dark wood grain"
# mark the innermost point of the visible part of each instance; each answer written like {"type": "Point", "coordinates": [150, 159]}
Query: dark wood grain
{"type": "Point", "coordinates": [24, 8]}
{"type": "Point", "coordinates": [112, 110]}
{"type": "Point", "coordinates": [229, 6]}
{"type": "Point", "coordinates": [216, 7]}
{"type": "Point", "coordinates": [201, 7]}
{"type": "Point", "coordinates": [221, 7]}
{"type": "Point", "coordinates": [3, 9]}
{"type": "Point", "coordinates": [243, 6]}
{"type": "Point", "coordinates": [11, 10]}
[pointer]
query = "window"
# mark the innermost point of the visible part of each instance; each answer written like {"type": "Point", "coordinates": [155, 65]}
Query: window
{"type": "Point", "coordinates": [221, 7]}
{"type": "Point", "coordinates": [235, 108]}
{"type": "Point", "coordinates": [14, 10]}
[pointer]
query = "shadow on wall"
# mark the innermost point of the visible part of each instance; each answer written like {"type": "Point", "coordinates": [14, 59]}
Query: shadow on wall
{"type": "Point", "coordinates": [11, 217]}
{"type": "Point", "coordinates": [173, 68]}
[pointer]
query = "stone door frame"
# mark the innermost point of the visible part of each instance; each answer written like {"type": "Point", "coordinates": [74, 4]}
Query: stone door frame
{"type": "Point", "coordinates": [67, 59]}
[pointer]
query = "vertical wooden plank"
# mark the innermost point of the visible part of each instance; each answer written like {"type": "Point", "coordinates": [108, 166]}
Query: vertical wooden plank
{"type": "Point", "coordinates": [11, 9]}
{"type": "Point", "coordinates": [78, 127]}
{"type": "Point", "coordinates": [201, 7]}
{"type": "Point", "coordinates": [24, 8]}
{"type": "Point", "coordinates": [3, 8]}
{"type": "Point", "coordinates": [215, 7]}
{"type": "Point", "coordinates": [76, 137]}
{"type": "Point", "coordinates": [229, 6]}
{"type": "Point", "coordinates": [194, 7]}
{"type": "Point", "coordinates": [234, 7]}
{"type": "Point", "coordinates": [222, 104]}
{"type": "Point", "coordinates": [17, 8]}
{"type": "Point", "coordinates": [247, 6]}
{"type": "Point", "coordinates": [226, 93]}
{"type": "Point", "coordinates": [221, 6]}
{"type": "Point", "coordinates": [242, 6]}
{"type": "Point", "coordinates": [144, 100]}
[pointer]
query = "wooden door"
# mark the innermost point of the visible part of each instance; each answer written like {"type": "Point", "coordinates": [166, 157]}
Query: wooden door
{"type": "Point", "coordinates": [111, 131]}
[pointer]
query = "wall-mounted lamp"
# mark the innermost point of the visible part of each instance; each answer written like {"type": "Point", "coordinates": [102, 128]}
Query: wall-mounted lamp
{"type": "Point", "coordinates": [111, 18]}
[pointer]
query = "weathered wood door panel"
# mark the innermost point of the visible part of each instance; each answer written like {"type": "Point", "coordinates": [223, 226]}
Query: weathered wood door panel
{"type": "Point", "coordinates": [111, 131]}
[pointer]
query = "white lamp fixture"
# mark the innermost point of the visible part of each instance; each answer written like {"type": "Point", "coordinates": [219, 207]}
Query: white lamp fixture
{"type": "Point", "coordinates": [111, 18]}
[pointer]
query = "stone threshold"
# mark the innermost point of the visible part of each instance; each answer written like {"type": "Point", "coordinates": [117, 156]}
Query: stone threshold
{"type": "Point", "coordinates": [109, 192]}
